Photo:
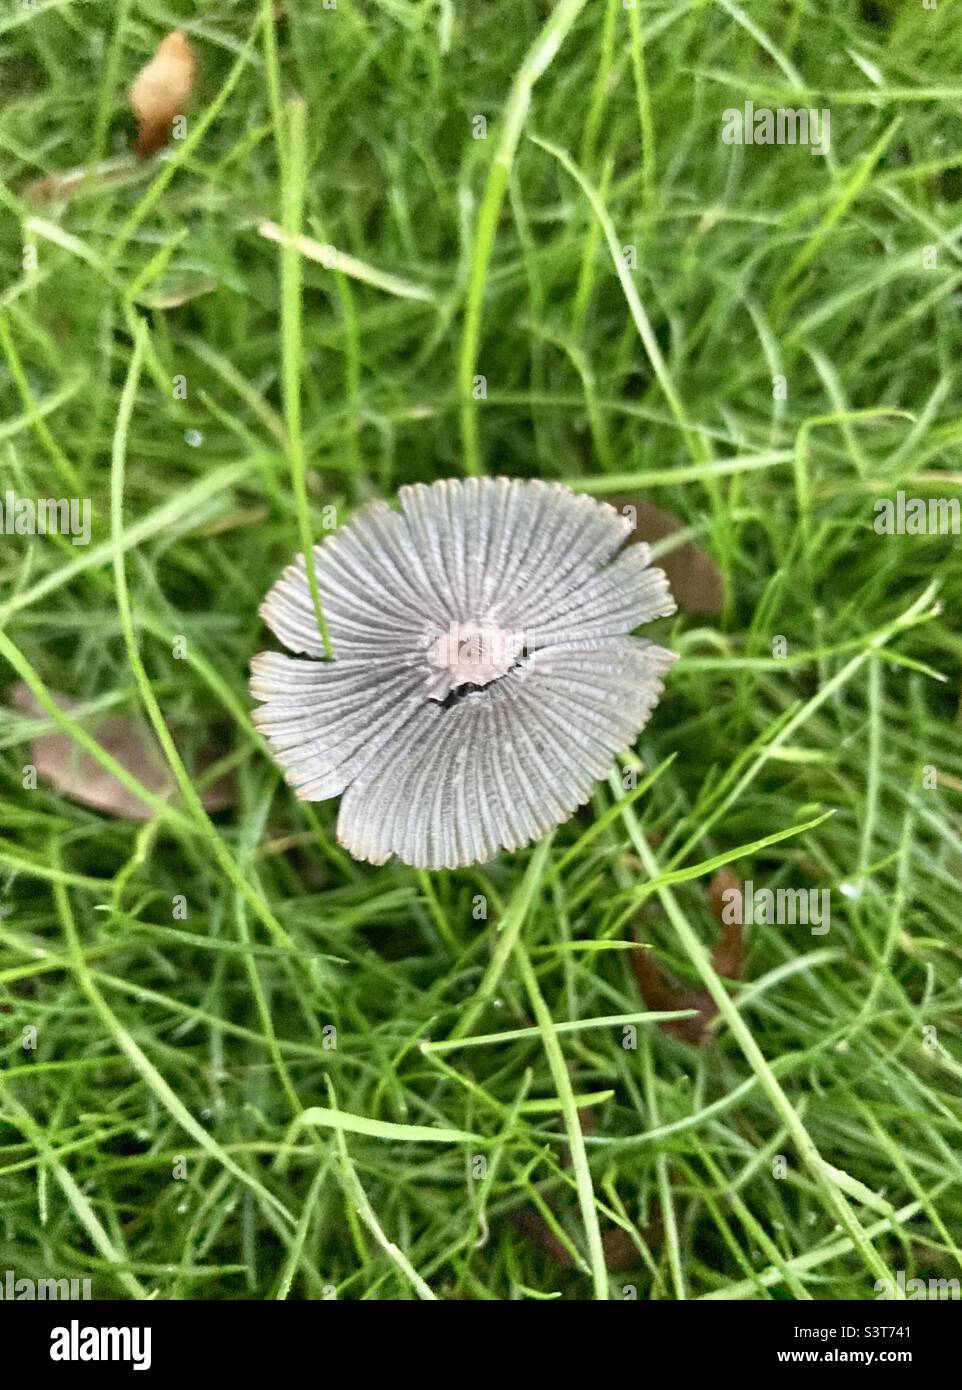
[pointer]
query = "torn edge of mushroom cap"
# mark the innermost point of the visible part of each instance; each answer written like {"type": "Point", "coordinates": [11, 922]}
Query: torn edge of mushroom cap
{"type": "Point", "coordinates": [443, 771]}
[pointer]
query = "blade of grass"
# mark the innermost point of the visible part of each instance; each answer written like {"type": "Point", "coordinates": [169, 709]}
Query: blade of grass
{"type": "Point", "coordinates": [537, 60]}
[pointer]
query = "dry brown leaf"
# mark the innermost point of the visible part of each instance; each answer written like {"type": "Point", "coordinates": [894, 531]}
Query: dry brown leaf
{"type": "Point", "coordinates": [696, 581]}
{"type": "Point", "coordinates": [179, 295]}
{"type": "Point", "coordinates": [661, 992]}
{"type": "Point", "coordinates": [619, 1250]}
{"type": "Point", "coordinates": [162, 90]}
{"type": "Point", "coordinates": [729, 954]}
{"type": "Point", "coordinates": [724, 881]}
{"type": "Point", "coordinates": [76, 775]}
{"type": "Point", "coordinates": [60, 188]}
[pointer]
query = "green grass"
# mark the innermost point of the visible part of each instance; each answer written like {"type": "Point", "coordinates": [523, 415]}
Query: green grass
{"type": "Point", "coordinates": [337, 1078]}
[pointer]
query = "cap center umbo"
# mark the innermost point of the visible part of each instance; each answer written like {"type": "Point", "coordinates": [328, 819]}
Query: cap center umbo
{"type": "Point", "coordinates": [471, 654]}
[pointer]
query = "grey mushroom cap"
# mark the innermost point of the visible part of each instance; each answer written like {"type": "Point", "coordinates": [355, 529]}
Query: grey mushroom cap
{"type": "Point", "coordinates": [485, 676]}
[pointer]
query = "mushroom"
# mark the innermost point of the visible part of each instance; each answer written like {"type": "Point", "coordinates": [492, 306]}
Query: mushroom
{"type": "Point", "coordinates": [485, 675]}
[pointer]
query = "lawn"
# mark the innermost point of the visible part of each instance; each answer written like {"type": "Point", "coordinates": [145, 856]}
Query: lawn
{"type": "Point", "coordinates": [402, 240]}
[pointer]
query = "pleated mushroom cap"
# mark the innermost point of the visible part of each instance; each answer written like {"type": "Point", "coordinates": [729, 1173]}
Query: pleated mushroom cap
{"type": "Point", "coordinates": [484, 677]}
